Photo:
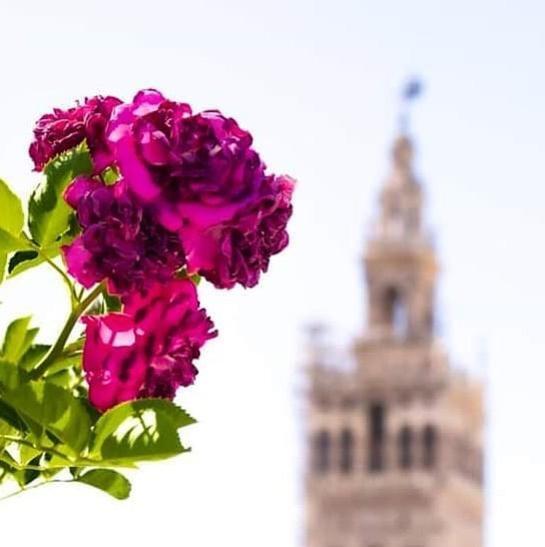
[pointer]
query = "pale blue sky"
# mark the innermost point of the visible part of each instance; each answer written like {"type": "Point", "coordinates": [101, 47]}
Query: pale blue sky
{"type": "Point", "coordinates": [317, 83]}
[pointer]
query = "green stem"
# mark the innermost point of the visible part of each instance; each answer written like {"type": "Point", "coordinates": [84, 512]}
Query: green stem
{"type": "Point", "coordinates": [58, 346]}
{"type": "Point", "coordinates": [79, 294]}
{"type": "Point", "coordinates": [32, 487]}
{"type": "Point", "coordinates": [51, 262]}
{"type": "Point", "coordinates": [50, 449]}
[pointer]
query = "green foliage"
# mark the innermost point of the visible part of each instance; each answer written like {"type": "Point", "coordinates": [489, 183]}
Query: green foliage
{"type": "Point", "coordinates": [21, 261]}
{"type": "Point", "coordinates": [17, 339]}
{"type": "Point", "coordinates": [22, 257]}
{"type": "Point", "coordinates": [54, 409]}
{"type": "Point", "coordinates": [12, 217]}
{"type": "Point", "coordinates": [10, 417]}
{"type": "Point", "coordinates": [145, 429]}
{"type": "Point", "coordinates": [10, 242]}
{"type": "Point", "coordinates": [11, 225]}
{"type": "Point", "coordinates": [3, 262]}
{"type": "Point", "coordinates": [33, 355]}
{"type": "Point", "coordinates": [49, 217]}
{"type": "Point", "coordinates": [111, 302]}
{"type": "Point", "coordinates": [47, 425]}
{"type": "Point", "coordinates": [110, 176]}
{"type": "Point", "coordinates": [104, 304]}
{"type": "Point", "coordinates": [109, 481]}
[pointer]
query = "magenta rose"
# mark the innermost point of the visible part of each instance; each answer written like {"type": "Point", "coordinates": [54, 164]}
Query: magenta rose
{"type": "Point", "coordinates": [62, 130]}
{"type": "Point", "coordinates": [120, 241]}
{"type": "Point", "coordinates": [149, 349]}
{"type": "Point", "coordinates": [192, 168]}
{"type": "Point", "coordinates": [239, 250]}
{"type": "Point", "coordinates": [201, 178]}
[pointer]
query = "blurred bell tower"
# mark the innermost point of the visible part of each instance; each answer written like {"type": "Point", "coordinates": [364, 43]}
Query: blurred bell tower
{"type": "Point", "coordinates": [400, 262]}
{"type": "Point", "coordinates": [395, 445]}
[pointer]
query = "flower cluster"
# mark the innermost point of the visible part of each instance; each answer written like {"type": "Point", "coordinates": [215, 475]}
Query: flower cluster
{"type": "Point", "coordinates": [202, 179]}
{"type": "Point", "coordinates": [119, 243]}
{"type": "Point", "coordinates": [64, 129]}
{"type": "Point", "coordinates": [148, 350]}
{"type": "Point", "coordinates": [191, 197]}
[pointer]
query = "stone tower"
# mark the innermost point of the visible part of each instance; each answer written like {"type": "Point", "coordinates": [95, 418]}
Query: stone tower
{"type": "Point", "coordinates": [395, 443]}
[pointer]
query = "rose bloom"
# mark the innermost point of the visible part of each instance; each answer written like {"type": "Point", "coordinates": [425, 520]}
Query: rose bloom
{"type": "Point", "coordinates": [120, 242]}
{"type": "Point", "coordinates": [238, 251]}
{"type": "Point", "coordinates": [202, 179]}
{"type": "Point", "coordinates": [149, 349]}
{"type": "Point", "coordinates": [62, 130]}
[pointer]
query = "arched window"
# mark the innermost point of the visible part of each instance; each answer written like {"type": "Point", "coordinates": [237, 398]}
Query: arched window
{"type": "Point", "coordinates": [322, 451]}
{"type": "Point", "coordinates": [347, 451]}
{"type": "Point", "coordinates": [430, 442]}
{"type": "Point", "coordinates": [405, 447]}
{"type": "Point", "coordinates": [395, 311]}
{"type": "Point", "coordinates": [377, 436]}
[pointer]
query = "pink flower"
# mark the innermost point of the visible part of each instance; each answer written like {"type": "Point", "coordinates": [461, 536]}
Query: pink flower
{"type": "Point", "coordinates": [120, 241]}
{"type": "Point", "coordinates": [239, 250]}
{"type": "Point", "coordinates": [64, 129]}
{"type": "Point", "coordinates": [149, 349]}
{"type": "Point", "coordinates": [201, 178]}
{"type": "Point", "coordinates": [190, 167]}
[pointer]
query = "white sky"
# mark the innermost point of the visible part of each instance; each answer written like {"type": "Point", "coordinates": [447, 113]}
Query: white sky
{"type": "Point", "coordinates": [316, 83]}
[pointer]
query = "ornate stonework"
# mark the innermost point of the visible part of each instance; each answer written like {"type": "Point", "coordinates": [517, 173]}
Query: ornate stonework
{"type": "Point", "coordinates": [395, 445]}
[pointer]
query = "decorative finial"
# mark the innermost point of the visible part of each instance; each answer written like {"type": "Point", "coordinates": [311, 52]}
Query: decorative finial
{"type": "Point", "coordinates": [315, 332]}
{"type": "Point", "coordinates": [411, 90]}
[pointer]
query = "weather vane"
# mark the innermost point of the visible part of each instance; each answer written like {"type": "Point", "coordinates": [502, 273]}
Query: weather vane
{"type": "Point", "coordinates": [411, 90]}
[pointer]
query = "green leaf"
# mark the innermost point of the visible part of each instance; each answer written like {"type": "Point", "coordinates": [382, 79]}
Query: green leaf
{"type": "Point", "coordinates": [54, 409]}
{"type": "Point", "coordinates": [112, 302]}
{"type": "Point", "coordinates": [33, 355]}
{"type": "Point", "coordinates": [9, 416]}
{"type": "Point", "coordinates": [6, 429]}
{"type": "Point", "coordinates": [27, 453]}
{"type": "Point", "coordinates": [26, 476]}
{"type": "Point", "coordinates": [22, 257]}
{"type": "Point", "coordinates": [9, 465]}
{"type": "Point", "coordinates": [10, 242]}
{"type": "Point", "coordinates": [62, 363]}
{"type": "Point", "coordinates": [12, 217]}
{"type": "Point", "coordinates": [24, 260]}
{"type": "Point", "coordinates": [3, 262]}
{"type": "Point", "coordinates": [49, 216]}
{"type": "Point", "coordinates": [196, 278]}
{"type": "Point", "coordinates": [179, 417]}
{"type": "Point", "coordinates": [109, 481]}
{"type": "Point", "coordinates": [106, 302]}
{"type": "Point", "coordinates": [110, 175]}
{"type": "Point", "coordinates": [67, 378]}
{"type": "Point", "coordinates": [11, 376]}
{"type": "Point", "coordinates": [11, 224]}
{"type": "Point", "coordinates": [17, 339]}
{"type": "Point", "coordinates": [145, 429]}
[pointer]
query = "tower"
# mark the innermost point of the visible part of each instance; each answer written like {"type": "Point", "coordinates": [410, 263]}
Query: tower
{"type": "Point", "coordinates": [395, 444]}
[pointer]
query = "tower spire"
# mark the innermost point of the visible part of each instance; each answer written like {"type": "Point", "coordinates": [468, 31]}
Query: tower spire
{"type": "Point", "coordinates": [399, 259]}
{"type": "Point", "coordinates": [411, 90]}
{"type": "Point", "coordinates": [401, 200]}
{"type": "Point", "coordinates": [401, 197]}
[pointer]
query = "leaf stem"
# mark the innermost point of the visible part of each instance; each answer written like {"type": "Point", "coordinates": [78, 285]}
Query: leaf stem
{"type": "Point", "coordinates": [51, 262]}
{"type": "Point", "coordinates": [58, 346]}
{"type": "Point", "coordinates": [21, 490]}
{"type": "Point", "coordinates": [39, 447]}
